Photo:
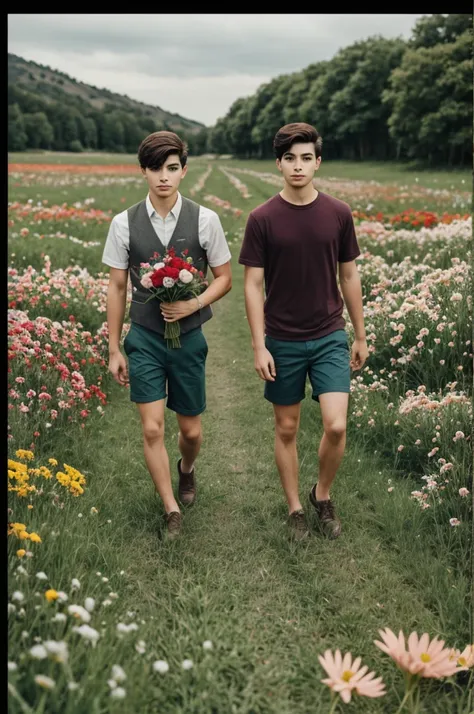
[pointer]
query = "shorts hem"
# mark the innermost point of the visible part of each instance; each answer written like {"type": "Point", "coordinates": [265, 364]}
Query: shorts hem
{"type": "Point", "coordinates": [285, 403]}
{"type": "Point", "coordinates": [186, 412]}
{"type": "Point", "coordinates": [146, 400]}
{"type": "Point", "coordinates": [341, 390]}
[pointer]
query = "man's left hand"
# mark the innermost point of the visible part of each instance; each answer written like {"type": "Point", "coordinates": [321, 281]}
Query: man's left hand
{"type": "Point", "coordinates": [173, 311]}
{"type": "Point", "coordinates": [360, 353]}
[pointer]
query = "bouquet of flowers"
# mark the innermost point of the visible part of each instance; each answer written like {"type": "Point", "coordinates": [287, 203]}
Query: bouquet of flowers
{"type": "Point", "coordinates": [170, 278]}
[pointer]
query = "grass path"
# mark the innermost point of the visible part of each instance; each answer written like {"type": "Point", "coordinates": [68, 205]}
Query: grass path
{"type": "Point", "coordinates": [269, 606]}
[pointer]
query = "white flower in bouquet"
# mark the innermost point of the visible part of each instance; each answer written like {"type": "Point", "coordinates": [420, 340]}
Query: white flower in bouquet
{"type": "Point", "coordinates": [168, 282]}
{"type": "Point", "coordinates": [185, 276]}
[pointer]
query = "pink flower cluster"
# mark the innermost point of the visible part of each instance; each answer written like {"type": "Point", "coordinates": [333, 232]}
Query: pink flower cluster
{"type": "Point", "coordinates": [225, 205]}
{"type": "Point", "coordinates": [55, 371]}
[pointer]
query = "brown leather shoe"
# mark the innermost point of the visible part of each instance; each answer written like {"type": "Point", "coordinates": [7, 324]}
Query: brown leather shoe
{"type": "Point", "coordinates": [297, 525]}
{"type": "Point", "coordinates": [329, 523]}
{"type": "Point", "coordinates": [173, 524]}
{"type": "Point", "coordinates": [187, 487]}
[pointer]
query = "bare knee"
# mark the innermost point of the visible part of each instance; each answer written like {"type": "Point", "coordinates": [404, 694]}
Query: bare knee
{"type": "Point", "coordinates": [153, 432]}
{"type": "Point", "coordinates": [335, 431]}
{"type": "Point", "coordinates": [286, 429]}
{"type": "Point", "coordinates": [190, 432]}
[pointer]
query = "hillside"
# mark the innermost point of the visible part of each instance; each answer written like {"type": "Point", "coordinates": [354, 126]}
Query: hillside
{"type": "Point", "coordinates": [52, 85]}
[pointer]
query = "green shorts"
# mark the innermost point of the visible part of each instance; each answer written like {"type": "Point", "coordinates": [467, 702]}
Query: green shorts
{"type": "Point", "coordinates": [325, 361]}
{"type": "Point", "coordinates": [151, 365]}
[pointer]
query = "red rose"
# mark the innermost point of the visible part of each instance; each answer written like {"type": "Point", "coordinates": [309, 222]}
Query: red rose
{"type": "Point", "coordinates": [157, 278]}
{"type": "Point", "coordinates": [170, 272]}
{"type": "Point", "coordinates": [177, 263]}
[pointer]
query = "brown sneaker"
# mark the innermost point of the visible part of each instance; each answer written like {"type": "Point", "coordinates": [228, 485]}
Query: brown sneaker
{"type": "Point", "coordinates": [173, 524]}
{"type": "Point", "coordinates": [328, 521]}
{"type": "Point", "coordinates": [186, 487]}
{"type": "Point", "coordinates": [297, 524]}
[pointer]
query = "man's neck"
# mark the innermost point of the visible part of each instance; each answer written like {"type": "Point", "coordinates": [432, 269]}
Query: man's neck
{"type": "Point", "coordinates": [300, 197]}
{"type": "Point", "coordinates": [163, 205]}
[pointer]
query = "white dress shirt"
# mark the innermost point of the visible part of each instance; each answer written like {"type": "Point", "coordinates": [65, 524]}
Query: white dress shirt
{"type": "Point", "coordinates": [211, 235]}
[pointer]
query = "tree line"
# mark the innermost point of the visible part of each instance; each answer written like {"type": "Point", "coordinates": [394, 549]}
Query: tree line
{"type": "Point", "coordinates": [377, 99]}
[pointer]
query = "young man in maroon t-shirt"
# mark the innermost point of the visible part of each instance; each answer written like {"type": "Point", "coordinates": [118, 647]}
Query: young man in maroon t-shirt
{"type": "Point", "coordinates": [294, 245]}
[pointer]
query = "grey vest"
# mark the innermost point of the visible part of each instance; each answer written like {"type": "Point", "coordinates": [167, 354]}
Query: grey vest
{"type": "Point", "coordinates": [144, 242]}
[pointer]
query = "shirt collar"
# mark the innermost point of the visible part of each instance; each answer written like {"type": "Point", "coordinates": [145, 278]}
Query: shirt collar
{"type": "Point", "coordinates": [175, 211]}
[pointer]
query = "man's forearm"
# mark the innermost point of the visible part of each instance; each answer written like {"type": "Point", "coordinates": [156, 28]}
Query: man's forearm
{"type": "Point", "coordinates": [116, 301]}
{"type": "Point", "coordinates": [217, 289]}
{"type": "Point", "coordinates": [352, 293]}
{"type": "Point", "coordinates": [254, 307]}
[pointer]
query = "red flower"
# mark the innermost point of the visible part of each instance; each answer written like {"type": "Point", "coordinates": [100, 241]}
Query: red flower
{"type": "Point", "coordinates": [157, 278]}
{"type": "Point", "coordinates": [170, 272]}
{"type": "Point", "coordinates": [177, 263]}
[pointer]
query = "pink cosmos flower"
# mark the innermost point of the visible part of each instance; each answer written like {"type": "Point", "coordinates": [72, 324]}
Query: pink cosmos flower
{"type": "Point", "coordinates": [463, 492]}
{"type": "Point", "coordinates": [347, 676]}
{"type": "Point", "coordinates": [419, 656]}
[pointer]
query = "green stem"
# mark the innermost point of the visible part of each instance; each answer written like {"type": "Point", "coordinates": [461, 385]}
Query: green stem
{"type": "Point", "coordinates": [334, 704]}
{"type": "Point", "coordinates": [409, 689]}
{"type": "Point", "coordinates": [24, 706]}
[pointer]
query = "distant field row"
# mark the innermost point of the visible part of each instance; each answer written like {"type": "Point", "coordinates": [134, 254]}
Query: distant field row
{"type": "Point", "coordinates": [382, 172]}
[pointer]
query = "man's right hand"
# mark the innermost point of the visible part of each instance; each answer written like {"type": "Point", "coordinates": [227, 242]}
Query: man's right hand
{"type": "Point", "coordinates": [118, 368]}
{"type": "Point", "coordinates": [264, 364]}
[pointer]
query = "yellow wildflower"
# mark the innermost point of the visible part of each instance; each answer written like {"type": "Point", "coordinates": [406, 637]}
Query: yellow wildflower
{"type": "Point", "coordinates": [17, 466]}
{"type": "Point", "coordinates": [21, 552]}
{"type": "Point", "coordinates": [34, 472]}
{"type": "Point", "coordinates": [53, 462]}
{"type": "Point", "coordinates": [75, 488]}
{"type": "Point", "coordinates": [23, 454]}
{"type": "Point", "coordinates": [44, 471]}
{"type": "Point", "coordinates": [24, 490]}
{"type": "Point", "coordinates": [63, 479]}
{"type": "Point", "coordinates": [23, 535]}
{"type": "Point", "coordinates": [51, 595]}
{"type": "Point", "coordinates": [16, 528]}
{"type": "Point", "coordinates": [74, 474]}
{"type": "Point", "coordinates": [35, 538]}
{"type": "Point", "coordinates": [30, 507]}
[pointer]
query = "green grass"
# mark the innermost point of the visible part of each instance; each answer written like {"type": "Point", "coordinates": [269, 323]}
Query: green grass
{"type": "Point", "coordinates": [269, 606]}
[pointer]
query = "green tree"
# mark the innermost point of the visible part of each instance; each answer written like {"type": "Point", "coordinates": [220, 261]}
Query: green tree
{"type": "Point", "coordinates": [430, 97]}
{"type": "Point", "coordinates": [17, 137]}
{"type": "Point", "coordinates": [39, 131]}
{"type": "Point", "coordinates": [358, 117]}
{"type": "Point", "coordinates": [438, 29]}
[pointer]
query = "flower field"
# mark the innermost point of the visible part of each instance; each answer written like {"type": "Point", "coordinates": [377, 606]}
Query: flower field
{"type": "Point", "coordinates": [105, 617]}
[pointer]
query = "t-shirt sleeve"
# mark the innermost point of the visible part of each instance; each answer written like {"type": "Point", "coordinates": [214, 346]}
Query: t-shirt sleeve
{"type": "Point", "coordinates": [117, 245]}
{"type": "Point", "coordinates": [252, 251]}
{"type": "Point", "coordinates": [212, 238]}
{"type": "Point", "coordinates": [348, 246]}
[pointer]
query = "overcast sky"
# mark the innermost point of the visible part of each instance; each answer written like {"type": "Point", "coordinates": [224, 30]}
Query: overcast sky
{"type": "Point", "coordinates": [193, 65]}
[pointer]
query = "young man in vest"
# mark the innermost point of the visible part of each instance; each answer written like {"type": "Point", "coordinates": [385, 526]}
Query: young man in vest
{"type": "Point", "coordinates": [295, 243]}
{"type": "Point", "coordinates": [164, 219]}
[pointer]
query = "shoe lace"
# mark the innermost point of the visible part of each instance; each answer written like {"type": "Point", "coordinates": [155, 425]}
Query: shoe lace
{"type": "Point", "coordinates": [187, 481]}
{"type": "Point", "coordinates": [174, 519]}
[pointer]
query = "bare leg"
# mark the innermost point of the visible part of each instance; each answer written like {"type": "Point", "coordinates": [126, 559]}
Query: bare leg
{"type": "Point", "coordinates": [287, 421]}
{"type": "Point", "coordinates": [331, 449]}
{"type": "Point", "coordinates": [152, 415]}
{"type": "Point", "coordinates": [189, 440]}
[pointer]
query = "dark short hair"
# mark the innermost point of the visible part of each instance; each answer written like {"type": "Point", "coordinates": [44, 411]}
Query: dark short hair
{"type": "Point", "coordinates": [298, 132]}
{"type": "Point", "coordinates": [155, 149]}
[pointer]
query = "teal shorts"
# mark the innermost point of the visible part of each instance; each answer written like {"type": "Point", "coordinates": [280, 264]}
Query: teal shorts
{"type": "Point", "coordinates": [325, 361]}
{"type": "Point", "coordinates": [153, 366]}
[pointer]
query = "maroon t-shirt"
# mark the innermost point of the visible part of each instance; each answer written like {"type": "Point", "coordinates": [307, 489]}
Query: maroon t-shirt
{"type": "Point", "coordinates": [299, 248]}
